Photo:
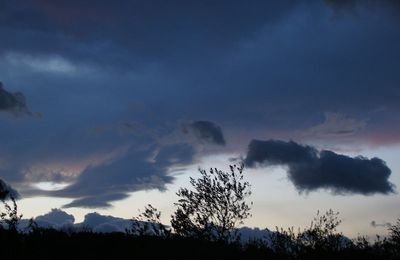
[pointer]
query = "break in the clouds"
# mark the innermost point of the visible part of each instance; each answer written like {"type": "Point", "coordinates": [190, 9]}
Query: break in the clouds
{"type": "Point", "coordinates": [205, 131]}
{"type": "Point", "coordinates": [14, 103]}
{"type": "Point", "coordinates": [310, 169]}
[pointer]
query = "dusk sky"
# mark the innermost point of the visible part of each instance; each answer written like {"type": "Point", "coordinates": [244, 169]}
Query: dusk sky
{"type": "Point", "coordinates": [106, 106]}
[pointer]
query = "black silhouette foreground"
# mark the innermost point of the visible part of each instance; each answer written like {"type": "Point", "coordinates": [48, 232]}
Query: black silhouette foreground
{"type": "Point", "coordinates": [214, 208]}
{"type": "Point", "coordinates": [204, 226]}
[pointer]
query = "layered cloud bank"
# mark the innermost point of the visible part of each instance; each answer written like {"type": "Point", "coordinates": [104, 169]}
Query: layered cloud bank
{"type": "Point", "coordinates": [141, 164]}
{"type": "Point", "coordinates": [115, 84]}
{"type": "Point", "coordinates": [310, 169]}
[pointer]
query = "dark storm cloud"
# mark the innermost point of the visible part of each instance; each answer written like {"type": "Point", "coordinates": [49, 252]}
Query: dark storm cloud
{"type": "Point", "coordinates": [6, 191]}
{"type": "Point", "coordinates": [354, 4]}
{"type": "Point", "coordinates": [146, 29]}
{"type": "Point", "coordinates": [206, 131]}
{"type": "Point", "coordinates": [175, 154]}
{"type": "Point", "coordinates": [310, 169]}
{"type": "Point", "coordinates": [222, 47]}
{"type": "Point", "coordinates": [264, 66]}
{"type": "Point", "coordinates": [14, 103]}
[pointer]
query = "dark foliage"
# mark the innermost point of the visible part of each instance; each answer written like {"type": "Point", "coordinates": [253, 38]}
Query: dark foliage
{"type": "Point", "coordinates": [210, 212]}
{"type": "Point", "coordinates": [53, 244]}
{"type": "Point", "coordinates": [10, 218]}
{"type": "Point", "coordinates": [148, 224]}
{"type": "Point", "coordinates": [42, 243]}
{"type": "Point", "coordinates": [215, 206]}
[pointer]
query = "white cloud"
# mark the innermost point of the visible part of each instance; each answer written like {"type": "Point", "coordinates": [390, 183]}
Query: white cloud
{"type": "Point", "coordinates": [56, 218]}
{"type": "Point", "coordinates": [50, 186]}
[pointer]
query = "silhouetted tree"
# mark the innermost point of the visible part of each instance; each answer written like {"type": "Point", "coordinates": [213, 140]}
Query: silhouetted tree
{"type": "Point", "coordinates": [322, 234]}
{"type": "Point", "coordinates": [32, 226]}
{"type": "Point", "coordinates": [214, 207]}
{"type": "Point", "coordinates": [394, 238]}
{"type": "Point", "coordinates": [148, 223]}
{"type": "Point", "coordinates": [320, 237]}
{"type": "Point", "coordinates": [394, 232]}
{"type": "Point", "coordinates": [10, 217]}
{"type": "Point", "coordinates": [285, 242]}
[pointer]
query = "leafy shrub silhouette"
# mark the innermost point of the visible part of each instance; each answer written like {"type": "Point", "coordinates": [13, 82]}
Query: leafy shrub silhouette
{"type": "Point", "coordinates": [148, 223]}
{"type": "Point", "coordinates": [215, 206]}
{"type": "Point", "coordinates": [10, 217]}
{"type": "Point", "coordinates": [285, 242]}
{"type": "Point", "coordinates": [320, 238]}
{"type": "Point", "coordinates": [394, 238]}
{"type": "Point", "coordinates": [322, 235]}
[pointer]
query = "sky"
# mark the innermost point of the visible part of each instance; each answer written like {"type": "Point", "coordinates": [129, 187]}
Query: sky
{"type": "Point", "coordinates": [108, 106]}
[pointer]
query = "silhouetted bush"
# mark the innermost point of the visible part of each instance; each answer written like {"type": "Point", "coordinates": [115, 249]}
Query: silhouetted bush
{"type": "Point", "coordinates": [148, 223]}
{"type": "Point", "coordinates": [10, 218]}
{"type": "Point", "coordinates": [394, 238]}
{"type": "Point", "coordinates": [214, 207]}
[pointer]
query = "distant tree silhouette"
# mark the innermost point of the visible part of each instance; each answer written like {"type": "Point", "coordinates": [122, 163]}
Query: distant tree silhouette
{"type": "Point", "coordinates": [394, 232]}
{"type": "Point", "coordinates": [32, 226]}
{"type": "Point", "coordinates": [215, 206]}
{"type": "Point", "coordinates": [394, 238]}
{"type": "Point", "coordinates": [320, 237]}
{"type": "Point", "coordinates": [322, 234]}
{"type": "Point", "coordinates": [148, 223]}
{"type": "Point", "coordinates": [285, 242]}
{"type": "Point", "coordinates": [10, 217]}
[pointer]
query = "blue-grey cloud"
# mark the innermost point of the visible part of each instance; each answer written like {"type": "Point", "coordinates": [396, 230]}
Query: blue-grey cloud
{"type": "Point", "coordinates": [136, 170]}
{"type": "Point", "coordinates": [14, 103]}
{"type": "Point", "coordinates": [336, 125]}
{"type": "Point", "coordinates": [205, 131]}
{"type": "Point", "coordinates": [146, 29]}
{"type": "Point", "coordinates": [60, 219]}
{"type": "Point", "coordinates": [104, 224]}
{"type": "Point", "coordinates": [263, 66]}
{"type": "Point", "coordinates": [94, 201]}
{"type": "Point", "coordinates": [56, 218]}
{"type": "Point", "coordinates": [310, 169]}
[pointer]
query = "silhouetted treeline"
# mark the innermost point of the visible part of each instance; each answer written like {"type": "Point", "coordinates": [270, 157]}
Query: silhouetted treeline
{"type": "Point", "coordinates": [204, 226]}
{"type": "Point", "coordinates": [57, 244]}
